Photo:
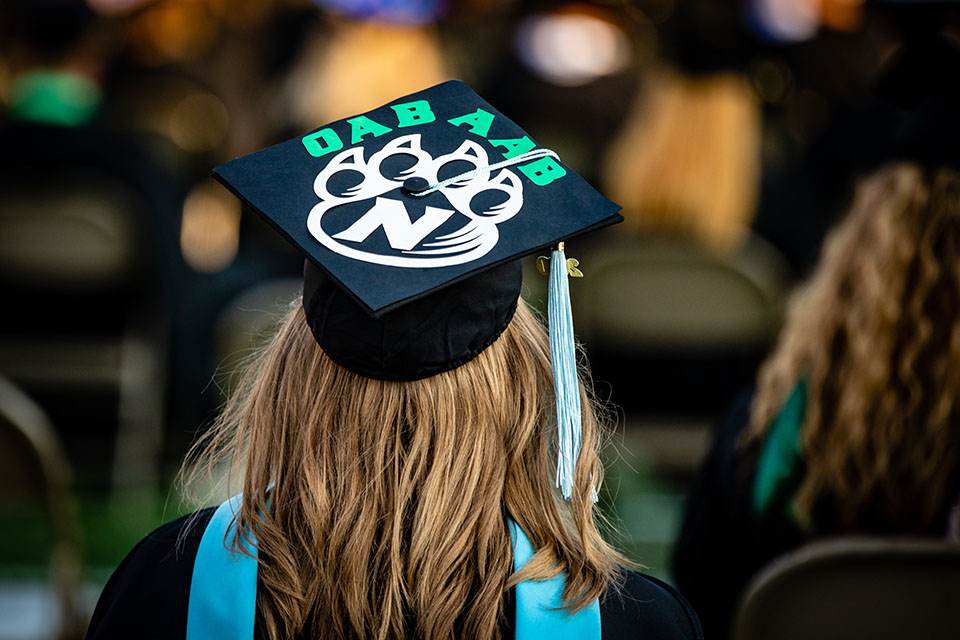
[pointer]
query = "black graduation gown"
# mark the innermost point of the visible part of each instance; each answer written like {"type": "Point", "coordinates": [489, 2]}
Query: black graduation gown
{"type": "Point", "coordinates": [721, 546]}
{"type": "Point", "coordinates": [147, 596]}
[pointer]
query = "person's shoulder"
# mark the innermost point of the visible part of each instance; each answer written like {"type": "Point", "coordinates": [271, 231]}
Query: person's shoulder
{"type": "Point", "coordinates": [150, 588]}
{"type": "Point", "coordinates": [640, 606]}
{"type": "Point", "coordinates": [169, 545]}
{"type": "Point", "coordinates": [176, 531]}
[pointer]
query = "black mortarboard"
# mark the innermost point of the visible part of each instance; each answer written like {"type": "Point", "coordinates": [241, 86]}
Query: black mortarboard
{"type": "Point", "coordinates": [413, 218]}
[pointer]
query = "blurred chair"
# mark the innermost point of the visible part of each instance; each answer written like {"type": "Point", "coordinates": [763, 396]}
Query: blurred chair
{"type": "Point", "coordinates": [85, 323]}
{"type": "Point", "coordinates": [676, 328]}
{"type": "Point", "coordinates": [34, 470]}
{"type": "Point", "coordinates": [856, 589]}
{"type": "Point", "coordinates": [673, 296]}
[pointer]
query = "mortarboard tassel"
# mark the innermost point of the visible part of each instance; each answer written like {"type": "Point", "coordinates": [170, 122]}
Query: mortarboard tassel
{"type": "Point", "coordinates": [564, 360]}
{"type": "Point", "coordinates": [563, 355]}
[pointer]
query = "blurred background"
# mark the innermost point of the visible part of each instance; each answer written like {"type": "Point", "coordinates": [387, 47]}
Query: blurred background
{"type": "Point", "coordinates": [731, 131]}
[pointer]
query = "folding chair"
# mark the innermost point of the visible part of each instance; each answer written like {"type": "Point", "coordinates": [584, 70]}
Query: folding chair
{"type": "Point", "coordinates": [856, 589]}
{"type": "Point", "coordinates": [33, 468]}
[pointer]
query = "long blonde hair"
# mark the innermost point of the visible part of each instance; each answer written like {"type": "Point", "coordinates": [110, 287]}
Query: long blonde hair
{"type": "Point", "coordinates": [388, 501]}
{"type": "Point", "coordinates": [876, 336]}
{"type": "Point", "coordinates": [687, 161]}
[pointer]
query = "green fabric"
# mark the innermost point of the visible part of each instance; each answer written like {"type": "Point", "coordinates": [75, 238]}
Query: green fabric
{"type": "Point", "coordinates": [780, 465]}
{"type": "Point", "coordinates": [54, 97]}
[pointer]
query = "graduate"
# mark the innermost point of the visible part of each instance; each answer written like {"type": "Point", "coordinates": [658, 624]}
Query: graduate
{"type": "Point", "coordinates": [416, 457]}
{"type": "Point", "coordinates": [853, 427]}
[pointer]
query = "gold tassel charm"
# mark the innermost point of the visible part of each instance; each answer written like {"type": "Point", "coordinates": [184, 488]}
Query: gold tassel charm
{"type": "Point", "coordinates": [543, 265]}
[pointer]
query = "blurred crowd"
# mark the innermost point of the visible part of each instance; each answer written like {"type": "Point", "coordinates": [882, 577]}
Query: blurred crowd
{"type": "Point", "coordinates": [734, 133]}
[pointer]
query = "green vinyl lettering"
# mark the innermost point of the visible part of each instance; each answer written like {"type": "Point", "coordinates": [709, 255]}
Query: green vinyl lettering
{"type": "Point", "coordinates": [320, 143]}
{"type": "Point", "coordinates": [479, 122]}
{"type": "Point", "coordinates": [411, 113]}
{"type": "Point", "coordinates": [364, 126]}
{"type": "Point", "coordinates": [543, 171]}
{"type": "Point", "coordinates": [514, 146]}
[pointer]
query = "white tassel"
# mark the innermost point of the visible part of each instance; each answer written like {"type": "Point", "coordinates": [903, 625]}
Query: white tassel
{"type": "Point", "coordinates": [565, 383]}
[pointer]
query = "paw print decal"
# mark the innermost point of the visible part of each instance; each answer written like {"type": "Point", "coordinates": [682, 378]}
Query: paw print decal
{"type": "Point", "coordinates": [474, 206]}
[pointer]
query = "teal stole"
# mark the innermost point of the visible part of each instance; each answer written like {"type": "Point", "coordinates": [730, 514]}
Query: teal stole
{"type": "Point", "coordinates": [223, 590]}
{"type": "Point", "coordinates": [780, 465]}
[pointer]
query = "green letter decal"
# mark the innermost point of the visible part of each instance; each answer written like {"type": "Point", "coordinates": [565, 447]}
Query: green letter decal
{"type": "Point", "coordinates": [479, 122]}
{"type": "Point", "coordinates": [514, 146]}
{"type": "Point", "coordinates": [543, 171]}
{"type": "Point", "coordinates": [411, 113]}
{"type": "Point", "coordinates": [320, 143]}
{"type": "Point", "coordinates": [364, 126]}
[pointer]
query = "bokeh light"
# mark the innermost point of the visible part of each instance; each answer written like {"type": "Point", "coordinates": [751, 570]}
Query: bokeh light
{"type": "Point", "coordinates": [210, 228]}
{"type": "Point", "coordinates": [842, 15]}
{"type": "Point", "coordinates": [115, 7]}
{"type": "Point", "coordinates": [572, 48]}
{"type": "Point", "coordinates": [199, 122]}
{"type": "Point", "coordinates": [403, 11]}
{"type": "Point", "coordinates": [786, 20]}
{"type": "Point", "coordinates": [172, 30]}
{"type": "Point", "coordinates": [773, 81]}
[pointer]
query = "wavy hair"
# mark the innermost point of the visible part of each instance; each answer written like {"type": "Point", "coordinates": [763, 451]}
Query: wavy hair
{"type": "Point", "coordinates": [388, 501]}
{"type": "Point", "coordinates": [876, 335]}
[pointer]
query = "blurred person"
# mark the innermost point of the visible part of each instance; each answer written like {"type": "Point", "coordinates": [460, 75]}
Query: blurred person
{"type": "Point", "coordinates": [687, 160]}
{"type": "Point", "coordinates": [854, 426]}
{"type": "Point", "coordinates": [360, 64]}
{"type": "Point", "coordinates": [90, 214]}
{"type": "Point", "coordinates": [834, 125]}
{"type": "Point", "coordinates": [56, 63]}
{"type": "Point", "coordinates": [395, 437]}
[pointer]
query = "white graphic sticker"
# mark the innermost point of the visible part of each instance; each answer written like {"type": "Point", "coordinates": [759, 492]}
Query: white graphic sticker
{"type": "Point", "coordinates": [413, 239]}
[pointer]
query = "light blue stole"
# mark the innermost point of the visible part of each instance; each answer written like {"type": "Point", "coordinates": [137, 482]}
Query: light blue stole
{"type": "Point", "coordinates": [223, 591]}
{"type": "Point", "coordinates": [539, 602]}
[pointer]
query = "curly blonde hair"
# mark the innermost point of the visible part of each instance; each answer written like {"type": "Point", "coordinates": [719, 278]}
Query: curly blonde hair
{"type": "Point", "coordinates": [875, 334]}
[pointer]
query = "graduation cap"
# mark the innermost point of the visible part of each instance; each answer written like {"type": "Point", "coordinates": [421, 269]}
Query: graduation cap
{"type": "Point", "coordinates": [413, 218]}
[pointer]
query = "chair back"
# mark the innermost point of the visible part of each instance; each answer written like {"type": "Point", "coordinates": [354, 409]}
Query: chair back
{"type": "Point", "coordinates": [674, 328]}
{"type": "Point", "coordinates": [665, 295]}
{"type": "Point", "coordinates": [34, 469]}
{"type": "Point", "coordinates": [79, 235]}
{"type": "Point", "coordinates": [86, 330]}
{"type": "Point", "coordinates": [856, 589]}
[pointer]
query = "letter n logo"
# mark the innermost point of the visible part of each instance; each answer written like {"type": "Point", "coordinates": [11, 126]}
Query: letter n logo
{"type": "Point", "coordinates": [392, 215]}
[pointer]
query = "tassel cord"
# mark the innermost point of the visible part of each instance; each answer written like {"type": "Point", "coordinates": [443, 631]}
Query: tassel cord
{"type": "Point", "coordinates": [565, 382]}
